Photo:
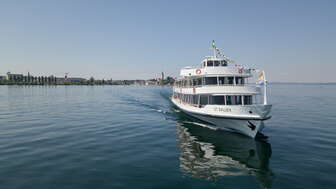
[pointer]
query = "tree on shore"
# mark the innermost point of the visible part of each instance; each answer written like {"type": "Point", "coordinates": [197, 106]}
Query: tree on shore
{"type": "Point", "coordinates": [92, 80]}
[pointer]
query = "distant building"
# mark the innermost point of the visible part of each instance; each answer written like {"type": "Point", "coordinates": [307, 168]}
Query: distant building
{"type": "Point", "coordinates": [14, 77]}
{"type": "Point", "coordinates": [69, 80]}
{"type": "Point", "coordinates": [2, 78]}
{"type": "Point", "coordinates": [152, 82]}
{"type": "Point", "coordinates": [139, 82]}
{"type": "Point", "coordinates": [60, 80]}
{"type": "Point", "coordinates": [76, 79]}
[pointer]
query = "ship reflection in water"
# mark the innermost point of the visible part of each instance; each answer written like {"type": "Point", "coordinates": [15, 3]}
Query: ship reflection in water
{"type": "Point", "coordinates": [212, 154]}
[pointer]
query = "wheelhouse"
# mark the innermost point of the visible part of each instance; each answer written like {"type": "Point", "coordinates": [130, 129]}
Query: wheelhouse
{"type": "Point", "coordinates": [214, 63]}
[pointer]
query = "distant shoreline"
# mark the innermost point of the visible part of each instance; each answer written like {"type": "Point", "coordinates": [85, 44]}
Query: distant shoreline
{"type": "Point", "coordinates": [84, 85]}
{"type": "Point", "coordinates": [20, 79]}
{"type": "Point", "coordinates": [156, 84]}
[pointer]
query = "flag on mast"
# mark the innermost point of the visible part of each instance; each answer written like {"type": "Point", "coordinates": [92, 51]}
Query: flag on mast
{"type": "Point", "coordinates": [262, 81]}
{"type": "Point", "coordinates": [261, 77]}
{"type": "Point", "coordinates": [213, 44]}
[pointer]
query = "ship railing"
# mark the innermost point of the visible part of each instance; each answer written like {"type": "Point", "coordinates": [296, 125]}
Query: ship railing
{"type": "Point", "coordinates": [213, 85]}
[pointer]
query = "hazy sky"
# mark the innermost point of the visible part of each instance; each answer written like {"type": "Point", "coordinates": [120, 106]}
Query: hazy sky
{"type": "Point", "coordinates": [291, 40]}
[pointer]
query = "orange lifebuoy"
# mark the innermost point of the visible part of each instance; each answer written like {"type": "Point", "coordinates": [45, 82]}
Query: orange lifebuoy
{"type": "Point", "coordinates": [198, 71]}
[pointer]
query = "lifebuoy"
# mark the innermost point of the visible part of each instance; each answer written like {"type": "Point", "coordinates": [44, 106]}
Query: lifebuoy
{"type": "Point", "coordinates": [198, 71]}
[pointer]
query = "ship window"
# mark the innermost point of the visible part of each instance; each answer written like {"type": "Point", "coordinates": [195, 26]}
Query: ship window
{"type": "Point", "coordinates": [195, 99]}
{"type": "Point", "coordinates": [219, 100]}
{"type": "Point", "coordinates": [193, 82]}
{"type": "Point", "coordinates": [199, 81]}
{"type": "Point", "coordinates": [223, 63]}
{"type": "Point", "coordinates": [221, 80]}
{"type": "Point", "coordinates": [210, 63]}
{"type": "Point", "coordinates": [248, 100]}
{"type": "Point", "coordinates": [239, 80]}
{"type": "Point", "coordinates": [238, 100]}
{"type": "Point", "coordinates": [217, 63]}
{"type": "Point", "coordinates": [215, 100]}
{"type": "Point", "coordinates": [204, 100]}
{"type": "Point", "coordinates": [228, 100]}
{"type": "Point", "coordinates": [230, 80]}
{"type": "Point", "coordinates": [211, 80]}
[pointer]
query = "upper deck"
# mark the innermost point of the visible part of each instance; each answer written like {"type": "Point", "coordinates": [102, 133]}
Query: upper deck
{"type": "Point", "coordinates": [219, 80]}
{"type": "Point", "coordinates": [216, 66]}
{"type": "Point", "coordinates": [217, 76]}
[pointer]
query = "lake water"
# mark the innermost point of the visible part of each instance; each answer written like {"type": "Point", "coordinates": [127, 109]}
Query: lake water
{"type": "Point", "coordinates": [132, 137]}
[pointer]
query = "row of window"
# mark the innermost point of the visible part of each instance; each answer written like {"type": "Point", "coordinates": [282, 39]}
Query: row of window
{"type": "Point", "coordinates": [211, 63]}
{"type": "Point", "coordinates": [210, 81]}
{"type": "Point", "coordinates": [215, 100]}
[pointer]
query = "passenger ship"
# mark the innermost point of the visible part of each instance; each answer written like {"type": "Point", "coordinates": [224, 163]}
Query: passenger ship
{"type": "Point", "coordinates": [218, 92]}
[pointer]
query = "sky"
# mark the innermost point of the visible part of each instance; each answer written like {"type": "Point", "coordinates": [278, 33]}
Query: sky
{"type": "Point", "coordinates": [293, 41]}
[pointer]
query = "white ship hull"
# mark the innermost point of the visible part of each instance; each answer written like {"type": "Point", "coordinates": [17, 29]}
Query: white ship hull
{"type": "Point", "coordinates": [235, 120]}
{"type": "Point", "coordinates": [224, 93]}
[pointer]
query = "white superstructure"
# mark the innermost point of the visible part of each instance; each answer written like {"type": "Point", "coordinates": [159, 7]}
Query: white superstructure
{"type": "Point", "coordinates": [219, 92]}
